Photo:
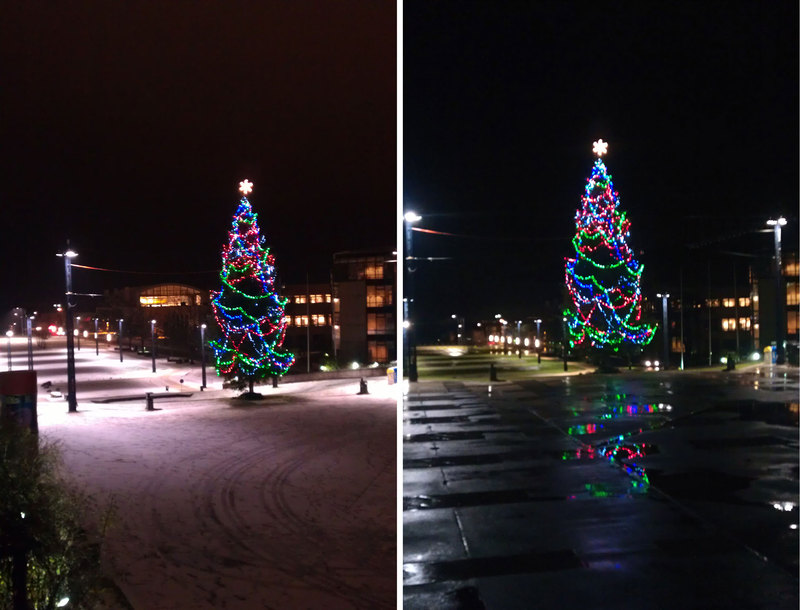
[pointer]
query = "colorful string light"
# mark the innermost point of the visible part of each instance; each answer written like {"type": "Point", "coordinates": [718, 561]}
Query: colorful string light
{"type": "Point", "coordinates": [604, 278]}
{"type": "Point", "coordinates": [247, 310]}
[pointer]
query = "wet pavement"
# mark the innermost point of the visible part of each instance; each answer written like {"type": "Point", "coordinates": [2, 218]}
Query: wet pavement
{"type": "Point", "coordinates": [645, 490]}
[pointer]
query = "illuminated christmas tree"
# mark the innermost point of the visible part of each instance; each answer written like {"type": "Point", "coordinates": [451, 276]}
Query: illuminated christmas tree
{"type": "Point", "coordinates": [248, 311]}
{"type": "Point", "coordinates": [604, 278]}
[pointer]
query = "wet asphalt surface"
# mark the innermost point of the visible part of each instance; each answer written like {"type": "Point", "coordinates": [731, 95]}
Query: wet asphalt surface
{"type": "Point", "coordinates": [641, 490]}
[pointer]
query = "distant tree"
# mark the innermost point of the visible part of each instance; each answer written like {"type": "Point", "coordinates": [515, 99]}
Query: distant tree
{"type": "Point", "coordinates": [603, 279]}
{"type": "Point", "coordinates": [248, 312]}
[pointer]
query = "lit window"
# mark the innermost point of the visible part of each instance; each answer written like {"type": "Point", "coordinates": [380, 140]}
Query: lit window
{"type": "Point", "coordinates": [791, 322]}
{"type": "Point", "coordinates": [744, 323]}
{"type": "Point", "coordinates": [790, 266]}
{"type": "Point", "coordinates": [744, 301]}
{"type": "Point", "coordinates": [712, 302]}
{"type": "Point", "coordinates": [300, 298]}
{"type": "Point", "coordinates": [792, 293]}
{"type": "Point", "coordinates": [374, 270]}
{"type": "Point", "coordinates": [327, 298]}
{"type": "Point", "coordinates": [301, 320]}
{"type": "Point", "coordinates": [379, 296]}
{"type": "Point", "coordinates": [319, 319]}
{"type": "Point", "coordinates": [318, 298]}
{"type": "Point", "coordinates": [728, 323]}
{"type": "Point", "coordinates": [729, 302]}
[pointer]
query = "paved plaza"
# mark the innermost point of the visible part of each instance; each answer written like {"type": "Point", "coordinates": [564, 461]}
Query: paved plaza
{"type": "Point", "coordinates": [635, 490]}
{"type": "Point", "coordinates": [289, 502]}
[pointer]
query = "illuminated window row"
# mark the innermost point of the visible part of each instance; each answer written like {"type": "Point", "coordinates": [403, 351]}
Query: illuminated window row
{"type": "Point", "coordinates": [730, 323]}
{"type": "Point", "coordinates": [729, 302]}
{"type": "Point", "coordinates": [316, 320]}
{"type": "Point", "coordinates": [313, 298]}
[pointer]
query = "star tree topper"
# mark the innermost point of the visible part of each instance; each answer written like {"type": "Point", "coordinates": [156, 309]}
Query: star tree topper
{"type": "Point", "coordinates": [245, 186]}
{"type": "Point", "coordinates": [600, 148]}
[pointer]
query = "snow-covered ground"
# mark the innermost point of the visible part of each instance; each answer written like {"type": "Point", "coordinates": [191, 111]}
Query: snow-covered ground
{"type": "Point", "coordinates": [289, 502]}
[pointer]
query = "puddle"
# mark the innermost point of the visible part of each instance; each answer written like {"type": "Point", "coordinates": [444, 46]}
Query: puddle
{"type": "Point", "coordinates": [584, 429]}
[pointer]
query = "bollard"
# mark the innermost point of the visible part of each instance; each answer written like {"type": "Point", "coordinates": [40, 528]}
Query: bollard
{"type": "Point", "coordinates": [149, 398]}
{"type": "Point", "coordinates": [492, 372]}
{"type": "Point", "coordinates": [363, 387]}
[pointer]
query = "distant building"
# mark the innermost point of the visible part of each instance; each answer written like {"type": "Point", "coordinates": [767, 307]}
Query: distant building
{"type": "Point", "coordinates": [309, 323]}
{"type": "Point", "coordinates": [364, 306]}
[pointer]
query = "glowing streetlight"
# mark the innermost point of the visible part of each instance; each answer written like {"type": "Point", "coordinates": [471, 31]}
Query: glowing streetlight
{"type": "Point", "coordinates": [409, 218]}
{"type": "Point", "coordinates": [245, 187]}
{"type": "Point", "coordinates": [9, 334]}
{"type": "Point", "coordinates": [72, 400]}
{"type": "Point", "coordinates": [203, 354]}
{"type": "Point", "coordinates": [779, 300]}
{"type": "Point", "coordinates": [664, 323]}
{"type": "Point", "coordinates": [153, 342]}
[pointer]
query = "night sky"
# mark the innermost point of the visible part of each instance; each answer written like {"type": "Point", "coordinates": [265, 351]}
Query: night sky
{"type": "Point", "coordinates": [126, 127]}
{"type": "Point", "coordinates": [502, 101]}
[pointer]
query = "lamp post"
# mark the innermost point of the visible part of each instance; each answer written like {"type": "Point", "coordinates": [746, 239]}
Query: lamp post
{"type": "Point", "coordinates": [78, 332]}
{"type": "Point", "coordinates": [203, 353]}
{"type": "Point", "coordinates": [9, 334]}
{"type": "Point", "coordinates": [519, 339]}
{"type": "Point", "coordinates": [119, 339]}
{"type": "Point", "coordinates": [30, 342]}
{"type": "Point", "coordinates": [538, 342]}
{"type": "Point", "coordinates": [409, 218]}
{"type": "Point", "coordinates": [779, 299]}
{"type": "Point", "coordinates": [96, 339]}
{"type": "Point", "coordinates": [153, 342]}
{"type": "Point", "coordinates": [564, 324]}
{"type": "Point", "coordinates": [664, 298]}
{"type": "Point", "coordinates": [72, 399]}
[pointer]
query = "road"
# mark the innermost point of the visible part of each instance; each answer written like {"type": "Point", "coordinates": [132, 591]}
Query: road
{"type": "Point", "coordinates": [289, 502]}
{"type": "Point", "coordinates": [638, 490]}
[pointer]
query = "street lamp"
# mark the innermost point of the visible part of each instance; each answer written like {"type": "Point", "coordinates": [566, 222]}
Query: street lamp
{"type": "Point", "coordinates": [664, 298]}
{"type": "Point", "coordinates": [30, 342]}
{"type": "Point", "coordinates": [119, 339]}
{"type": "Point", "coordinates": [72, 400]}
{"type": "Point", "coordinates": [153, 341]}
{"type": "Point", "coordinates": [538, 341]}
{"type": "Point", "coordinates": [410, 218]}
{"type": "Point", "coordinates": [9, 334]}
{"type": "Point", "coordinates": [203, 353]}
{"type": "Point", "coordinates": [564, 324]}
{"type": "Point", "coordinates": [96, 339]}
{"type": "Point", "coordinates": [78, 332]}
{"type": "Point", "coordinates": [779, 327]}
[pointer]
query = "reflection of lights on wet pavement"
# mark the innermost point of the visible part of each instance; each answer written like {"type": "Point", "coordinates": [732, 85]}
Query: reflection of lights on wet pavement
{"type": "Point", "coordinates": [784, 506]}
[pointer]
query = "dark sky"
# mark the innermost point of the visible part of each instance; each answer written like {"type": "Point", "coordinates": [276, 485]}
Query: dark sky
{"type": "Point", "coordinates": [502, 101]}
{"type": "Point", "coordinates": [126, 127]}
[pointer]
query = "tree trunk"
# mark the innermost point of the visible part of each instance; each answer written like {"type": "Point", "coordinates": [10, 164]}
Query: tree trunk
{"type": "Point", "coordinates": [250, 381]}
{"type": "Point", "coordinates": [274, 381]}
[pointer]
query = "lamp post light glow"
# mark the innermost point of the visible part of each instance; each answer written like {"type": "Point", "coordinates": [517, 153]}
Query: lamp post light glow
{"type": "Point", "coordinates": [780, 299]}
{"type": "Point", "coordinates": [665, 325]}
{"type": "Point", "coordinates": [153, 342]}
{"type": "Point", "coordinates": [9, 334]}
{"type": "Point", "coordinates": [119, 339]}
{"type": "Point", "coordinates": [409, 331]}
{"type": "Point", "coordinates": [72, 400]}
{"type": "Point", "coordinates": [538, 342]}
{"type": "Point", "coordinates": [203, 354]}
{"type": "Point", "coordinates": [30, 342]}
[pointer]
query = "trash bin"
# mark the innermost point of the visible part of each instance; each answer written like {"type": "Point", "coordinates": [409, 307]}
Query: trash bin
{"type": "Point", "coordinates": [391, 373]}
